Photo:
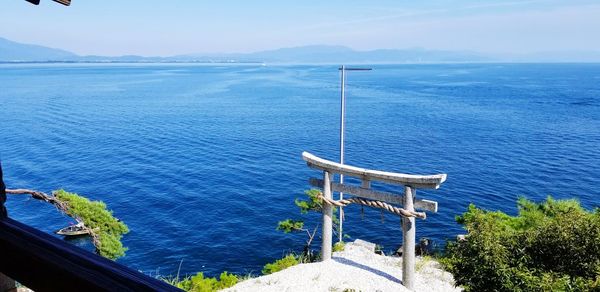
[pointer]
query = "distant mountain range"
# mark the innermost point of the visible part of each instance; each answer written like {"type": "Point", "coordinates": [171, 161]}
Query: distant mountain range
{"type": "Point", "coordinates": [13, 51]}
{"type": "Point", "coordinates": [17, 52]}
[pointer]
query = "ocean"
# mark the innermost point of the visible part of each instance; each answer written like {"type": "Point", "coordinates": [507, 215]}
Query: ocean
{"type": "Point", "coordinates": [202, 161]}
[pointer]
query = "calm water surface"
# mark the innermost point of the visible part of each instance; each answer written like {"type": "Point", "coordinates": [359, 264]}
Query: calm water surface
{"type": "Point", "coordinates": [202, 161]}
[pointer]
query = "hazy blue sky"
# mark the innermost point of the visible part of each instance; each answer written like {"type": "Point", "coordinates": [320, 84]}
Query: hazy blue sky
{"type": "Point", "coordinates": [151, 27]}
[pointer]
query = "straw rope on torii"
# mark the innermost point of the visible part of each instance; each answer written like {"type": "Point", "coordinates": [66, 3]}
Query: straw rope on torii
{"type": "Point", "coordinates": [373, 204]}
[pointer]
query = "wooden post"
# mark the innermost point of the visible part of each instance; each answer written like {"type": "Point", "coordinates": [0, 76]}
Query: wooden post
{"type": "Point", "coordinates": [327, 218]}
{"type": "Point", "coordinates": [408, 238]}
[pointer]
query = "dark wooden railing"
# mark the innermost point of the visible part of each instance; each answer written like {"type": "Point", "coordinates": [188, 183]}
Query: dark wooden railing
{"type": "Point", "coordinates": [45, 263]}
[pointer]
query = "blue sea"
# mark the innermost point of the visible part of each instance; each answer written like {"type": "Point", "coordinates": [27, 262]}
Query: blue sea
{"type": "Point", "coordinates": [202, 161]}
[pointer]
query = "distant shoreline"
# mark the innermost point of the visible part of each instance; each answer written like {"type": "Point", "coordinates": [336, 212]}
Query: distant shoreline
{"type": "Point", "coordinates": [127, 62]}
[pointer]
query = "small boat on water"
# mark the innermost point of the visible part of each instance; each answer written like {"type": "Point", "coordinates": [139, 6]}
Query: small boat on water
{"type": "Point", "coordinates": [74, 230]}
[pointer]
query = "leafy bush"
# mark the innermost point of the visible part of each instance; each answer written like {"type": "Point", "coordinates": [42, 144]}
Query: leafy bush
{"type": "Point", "coordinates": [95, 216]}
{"type": "Point", "coordinates": [227, 280]}
{"type": "Point", "coordinates": [281, 264]}
{"type": "Point", "coordinates": [339, 246]}
{"type": "Point", "coordinates": [311, 203]}
{"type": "Point", "coordinates": [184, 284]}
{"type": "Point", "coordinates": [199, 283]}
{"type": "Point", "coordinates": [550, 246]}
{"type": "Point", "coordinates": [289, 225]}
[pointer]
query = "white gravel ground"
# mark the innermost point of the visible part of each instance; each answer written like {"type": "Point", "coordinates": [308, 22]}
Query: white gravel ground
{"type": "Point", "coordinates": [354, 268]}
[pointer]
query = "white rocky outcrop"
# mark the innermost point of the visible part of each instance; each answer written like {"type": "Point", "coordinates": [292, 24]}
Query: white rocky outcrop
{"type": "Point", "coordinates": [356, 268]}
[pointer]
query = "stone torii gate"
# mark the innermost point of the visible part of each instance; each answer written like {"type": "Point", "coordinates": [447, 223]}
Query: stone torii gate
{"type": "Point", "coordinates": [364, 195]}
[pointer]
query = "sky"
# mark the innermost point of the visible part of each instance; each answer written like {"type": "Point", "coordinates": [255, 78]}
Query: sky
{"type": "Point", "coordinates": [165, 28]}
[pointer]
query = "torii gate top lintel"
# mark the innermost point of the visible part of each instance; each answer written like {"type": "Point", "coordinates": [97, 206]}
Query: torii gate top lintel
{"type": "Point", "coordinates": [415, 181]}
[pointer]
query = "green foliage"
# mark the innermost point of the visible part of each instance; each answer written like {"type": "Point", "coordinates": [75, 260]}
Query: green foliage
{"type": "Point", "coordinates": [281, 264]}
{"type": "Point", "coordinates": [290, 225]}
{"type": "Point", "coordinates": [339, 246]}
{"type": "Point", "coordinates": [199, 283]}
{"type": "Point", "coordinates": [308, 256]}
{"type": "Point", "coordinates": [312, 204]}
{"type": "Point", "coordinates": [227, 280]}
{"type": "Point", "coordinates": [550, 246]}
{"type": "Point", "coordinates": [95, 216]}
{"type": "Point", "coordinates": [183, 284]}
{"type": "Point", "coordinates": [423, 262]}
{"type": "Point", "coordinates": [202, 284]}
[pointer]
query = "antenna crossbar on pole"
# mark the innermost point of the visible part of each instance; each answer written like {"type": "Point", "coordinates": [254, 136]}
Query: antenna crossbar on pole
{"type": "Point", "coordinates": [354, 69]}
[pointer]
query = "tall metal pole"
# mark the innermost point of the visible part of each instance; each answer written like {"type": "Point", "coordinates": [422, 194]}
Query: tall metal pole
{"type": "Point", "coordinates": [343, 69]}
{"type": "Point", "coordinates": [342, 126]}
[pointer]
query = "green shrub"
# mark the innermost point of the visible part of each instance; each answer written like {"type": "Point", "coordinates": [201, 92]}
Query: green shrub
{"type": "Point", "coordinates": [339, 246]}
{"type": "Point", "coordinates": [183, 284]}
{"type": "Point", "coordinates": [199, 283]}
{"type": "Point", "coordinates": [290, 225]}
{"type": "Point", "coordinates": [311, 203]}
{"type": "Point", "coordinates": [281, 264]}
{"type": "Point", "coordinates": [550, 246]}
{"type": "Point", "coordinates": [95, 216]}
{"type": "Point", "coordinates": [226, 280]}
